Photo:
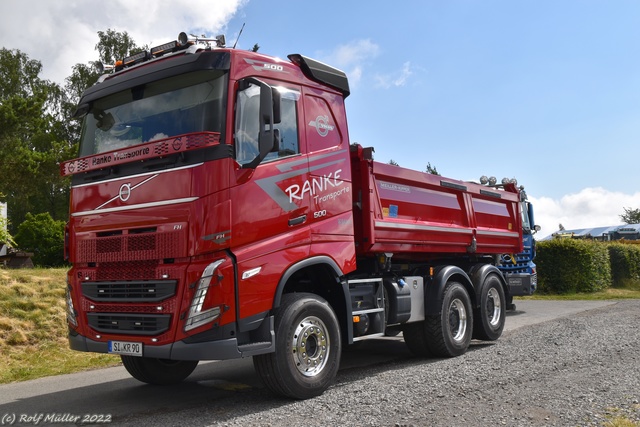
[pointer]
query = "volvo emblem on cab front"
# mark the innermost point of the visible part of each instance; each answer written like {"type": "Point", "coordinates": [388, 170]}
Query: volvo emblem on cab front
{"type": "Point", "coordinates": [125, 192]}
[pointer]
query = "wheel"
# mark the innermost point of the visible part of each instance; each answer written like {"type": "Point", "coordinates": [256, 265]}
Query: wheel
{"type": "Point", "coordinates": [489, 318]}
{"type": "Point", "coordinates": [158, 371]}
{"type": "Point", "coordinates": [449, 333]}
{"type": "Point", "coordinates": [308, 348]}
{"type": "Point", "coordinates": [510, 305]}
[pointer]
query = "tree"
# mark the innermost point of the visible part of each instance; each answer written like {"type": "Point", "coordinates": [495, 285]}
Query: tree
{"type": "Point", "coordinates": [36, 133]}
{"type": "Point", "coordinates": [111, 47]}
{"type": "Point", "coordinates": [43, 236]}
{"type": "Point", "coordinates": [33, 139]}
{"type": "Point", "coordinates": [114, 45]}
{"type": "Point", "coordinates": [630, 216]}
{"type": "Point", "coordinates": [432, 169]}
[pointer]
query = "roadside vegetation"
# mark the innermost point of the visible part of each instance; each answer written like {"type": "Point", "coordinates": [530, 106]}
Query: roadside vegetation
{"type": "Point", "coordinates": [588, 269]}
{"type": "Point", "coordinates": [33, 328]}
{"type": "Point", "coordinates": [628, 291]}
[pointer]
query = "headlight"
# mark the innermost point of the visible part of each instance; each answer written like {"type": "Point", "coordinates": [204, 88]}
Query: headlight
{"type": "Point", "coordinates": [198, 316]}
{"type": "Point", "coordinates": [71, 312]}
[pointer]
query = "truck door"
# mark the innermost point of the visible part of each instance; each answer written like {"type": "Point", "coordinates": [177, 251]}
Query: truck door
{"type": "Point", "coordinates": [270, 207]}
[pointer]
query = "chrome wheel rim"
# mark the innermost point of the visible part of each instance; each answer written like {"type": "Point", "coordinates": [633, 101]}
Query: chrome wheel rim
{"type": "Point", "coordinates": [457, 320]}
{"type": "Point", "coordinates": [310, 346]}
{"type": "Point", "coordinates": [494, 307]}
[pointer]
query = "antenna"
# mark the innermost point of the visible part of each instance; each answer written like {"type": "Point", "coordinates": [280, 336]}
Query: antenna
{"type": "Point", "coordinates": [239, 34]}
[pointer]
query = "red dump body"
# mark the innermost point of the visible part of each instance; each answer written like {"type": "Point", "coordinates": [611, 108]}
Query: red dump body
{"type": "Point", "coordinates": [416, 215]}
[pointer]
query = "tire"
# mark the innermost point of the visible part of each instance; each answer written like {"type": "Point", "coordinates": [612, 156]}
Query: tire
{"type": "Point", "coordinates": [489, 318]}
{"type": "Point", "coordinates": [449, 333]}
{"type": "Point", "coordinates": [158, 371]}
{"type": "Point", "coordinates": [308, 348]}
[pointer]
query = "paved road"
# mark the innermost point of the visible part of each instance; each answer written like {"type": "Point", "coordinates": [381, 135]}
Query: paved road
{"type": "Point", "coordinates": [113, 394]}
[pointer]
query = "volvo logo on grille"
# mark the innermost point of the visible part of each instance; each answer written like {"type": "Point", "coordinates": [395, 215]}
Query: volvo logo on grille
{"type": "Point", "coordinates": [125, 192]}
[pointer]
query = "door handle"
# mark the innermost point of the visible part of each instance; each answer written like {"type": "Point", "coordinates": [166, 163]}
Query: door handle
{"type": "Point", "coordinates": [297, 220]}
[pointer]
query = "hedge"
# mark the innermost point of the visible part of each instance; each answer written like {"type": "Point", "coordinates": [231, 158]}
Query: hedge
{"type": "Point", "coordinates": [625, 264]}
{"type": "Point", "coordinates": [569, 266]}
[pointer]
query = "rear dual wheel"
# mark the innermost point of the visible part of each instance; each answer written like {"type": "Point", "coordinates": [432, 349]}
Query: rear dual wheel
{"type": "Point", "coordinates": [490, 315]}
{"type": "Point", "coordinates": [447, 334]}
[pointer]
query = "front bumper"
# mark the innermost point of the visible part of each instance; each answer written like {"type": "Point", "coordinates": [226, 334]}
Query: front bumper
{"type": "Point", "coordinates": [212, 350]}
{"type": "Point", "coordinates": [522, 284]}
{"type": "Point", "coordinates": [221, 349]}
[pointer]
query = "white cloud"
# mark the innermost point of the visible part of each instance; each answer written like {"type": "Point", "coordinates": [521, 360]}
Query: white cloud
{"type": "Point", "coordinates": [62, 34]}
{"type": "Point", "coordinates": [352, 57]}
{"type": "Point", "coordinates": [591, 207]}
{"type": "Point", "coordinates": [399, 78]}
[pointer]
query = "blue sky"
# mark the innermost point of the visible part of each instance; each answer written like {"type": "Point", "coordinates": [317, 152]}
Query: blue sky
{"type": "Point", "coordinates": [544, 91]}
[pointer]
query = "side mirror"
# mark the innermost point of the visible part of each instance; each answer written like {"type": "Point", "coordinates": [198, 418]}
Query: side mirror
{"type": "Point", "coordinates": [268, 136]}
{"type": "Point", "coordinates": [275, 94]}
{"type": "Point", "coordinates": [276, 140]}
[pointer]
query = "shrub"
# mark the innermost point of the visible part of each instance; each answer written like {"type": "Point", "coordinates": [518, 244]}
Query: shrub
{"type": "Point", "coordinates": [5, 237]}
{"type": "Point", "coordinates": [43, 236]}
{"type": "Point", "coordinates": [625, 264]}
{"type": "Point", "coordinates": [569, 265]}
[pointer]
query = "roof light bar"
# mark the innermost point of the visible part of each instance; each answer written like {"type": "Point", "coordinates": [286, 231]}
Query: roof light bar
{"type": "Point", "coordinates": [135, 59]}
{"type": "Point", "coordinates": [163, 48]}
{"type": "Point", "coordinates": [184, 41]}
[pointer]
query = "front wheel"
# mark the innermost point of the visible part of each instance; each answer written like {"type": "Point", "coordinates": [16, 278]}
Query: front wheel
{"type": "Point", "coordinates": [308, 348]}
{"type": "Point", "coordinates": [158, 371]}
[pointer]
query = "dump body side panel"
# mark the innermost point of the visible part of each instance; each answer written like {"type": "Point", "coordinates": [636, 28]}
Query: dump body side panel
{"type": "Point", "coordinates": [411, 213]}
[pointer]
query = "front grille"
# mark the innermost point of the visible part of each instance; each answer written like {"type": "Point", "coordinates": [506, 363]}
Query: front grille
{"type": "Point", "coordinates": [147, 324]}
{"type": "Point", "coordinates": [134, 291]}
{"type": "Point", "coordinates": [131, 246]}
{"type": "Point", "coordinates": [521, 264]}
{"type": "Point", "coordinates": [112, 271]}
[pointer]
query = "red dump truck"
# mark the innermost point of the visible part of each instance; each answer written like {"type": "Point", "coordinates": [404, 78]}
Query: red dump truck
{"type": "Point", "coordinates": [218, 211]}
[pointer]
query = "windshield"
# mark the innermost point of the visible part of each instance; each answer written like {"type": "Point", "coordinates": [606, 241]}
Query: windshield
{"type": "Point", "coordinates": [170, 107]}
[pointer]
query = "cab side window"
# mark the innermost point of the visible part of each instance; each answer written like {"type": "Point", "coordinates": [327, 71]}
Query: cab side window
{"type": "Point", "coordinates": [248, 123]}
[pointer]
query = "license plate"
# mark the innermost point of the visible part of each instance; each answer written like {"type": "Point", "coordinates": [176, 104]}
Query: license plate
{"type": "Point", "coordinates": [126, 348]}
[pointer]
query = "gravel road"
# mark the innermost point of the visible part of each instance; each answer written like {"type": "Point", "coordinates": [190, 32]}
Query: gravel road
{"type": "Point", "coordinates": [578, 371]}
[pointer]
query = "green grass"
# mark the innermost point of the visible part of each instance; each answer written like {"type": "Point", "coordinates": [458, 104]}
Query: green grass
{"type": "Point", "coordinates": [630, 291]}
{"type": "Point", "coordinates": [621, 422]}
{"type": "Point", "coordinates": [33, 329]}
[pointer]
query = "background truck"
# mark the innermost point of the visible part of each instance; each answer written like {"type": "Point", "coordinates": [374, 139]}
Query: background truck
{"type": "Point", "coordinates": [219, 211]}
{"type": "Point", "coordinates": [519, 269]}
